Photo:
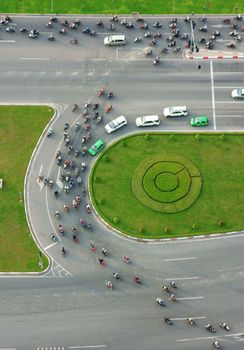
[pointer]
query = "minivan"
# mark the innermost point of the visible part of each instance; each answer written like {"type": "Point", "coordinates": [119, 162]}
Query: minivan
{"type": "Point", "coordinates": [115, 40]}
{"type": "Point", "coordinates": [147, 120]}
{"type": "Point", "coordinates": [178, 111]}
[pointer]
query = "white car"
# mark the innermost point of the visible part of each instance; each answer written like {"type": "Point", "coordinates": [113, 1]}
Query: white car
{"type": "Point", "coordinates": [115, 124]}
{"type": "Point", "coordinates": [237, 93]}
{"type": "Point", "coordinates": [147, 120]}
{"type": "Point", "coordinates": [178, 111]}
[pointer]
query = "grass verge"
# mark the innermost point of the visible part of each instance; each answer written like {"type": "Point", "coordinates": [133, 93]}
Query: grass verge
{"type": "Point", "coordinates": [218, 208]}
{"type": "Point", "coordinates": [121, 6]}
{"type": "Point", "coordinates": [20, 129]}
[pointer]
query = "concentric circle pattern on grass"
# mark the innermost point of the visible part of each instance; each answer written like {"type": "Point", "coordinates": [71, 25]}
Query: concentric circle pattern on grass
{"type": "Point", "coordinates": [166, 183]}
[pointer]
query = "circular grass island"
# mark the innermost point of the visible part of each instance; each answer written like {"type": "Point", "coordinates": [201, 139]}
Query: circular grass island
{"type": "Point", "coordinates": [158, 185]}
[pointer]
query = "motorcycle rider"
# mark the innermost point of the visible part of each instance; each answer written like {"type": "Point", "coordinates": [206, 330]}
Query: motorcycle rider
{"type": "Point", "coordinates": [116, 275]}
{"type": "Point", "coordinates": [216, 344]}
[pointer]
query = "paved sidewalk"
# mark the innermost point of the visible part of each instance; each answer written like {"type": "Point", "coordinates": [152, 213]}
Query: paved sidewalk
{"type": "Point", "coordinates": [205, 54]}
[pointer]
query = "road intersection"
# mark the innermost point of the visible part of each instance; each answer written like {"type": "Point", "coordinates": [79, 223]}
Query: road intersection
{"type": "Point", "coordinates": [69, 307]}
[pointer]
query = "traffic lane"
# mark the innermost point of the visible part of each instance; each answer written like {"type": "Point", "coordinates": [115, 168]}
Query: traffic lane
{"type": "Point", "coordinates": [126, 320]}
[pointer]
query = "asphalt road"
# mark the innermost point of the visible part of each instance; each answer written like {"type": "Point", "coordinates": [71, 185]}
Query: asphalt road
{"type": "Point", "coordinates": [70, 307]}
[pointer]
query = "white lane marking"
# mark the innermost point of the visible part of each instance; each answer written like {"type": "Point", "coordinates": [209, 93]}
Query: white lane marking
{"type": "Point", "coordinates": [234, 335]}
{"type": "Point", "coordinates": [184, 318]}
{"type": "Point", "coordinates": [195, 339]}
{"type": "Point", "coordinates": [212, 93]}
{"type": "Point", "coordinates": [107, 33]}
{"type": "Point", "coordinates": [230, 116]}
{"type": "Point", "coordinates": [190, 298]}
{"type": "Point", "coordinates": [87, 346]}
{"type": "Point", "coordinates": [59, 182]}
{"type": "Point", "coordinates": [181, 278]}
{"type": "Point", "coordinates": [50, 245]}
{"type": "Point", "coordinates": [227, 87]}
{"type": "Point", "coordinates": [7, 41]}
{"type": "Point", "coordinates": [7, 348]}
{"type": "Point", "coordinates": [35, 58]}
{"type": "Point", "coordinates": [227, 102]}
{"type": "Point", "coordinates": [228, 73]}
{"type": "Point", "coordinates": [177, 259]}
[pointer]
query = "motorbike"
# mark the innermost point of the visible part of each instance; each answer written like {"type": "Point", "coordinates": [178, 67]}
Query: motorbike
{"type": "Point", "coordinates": [202, 40]}
{"type": "Point", "coordinates": [190, 321]}
{"type": "Point", "coordinates": [24, 30]}
{"type": "Point", "coordinates": [160, 302]}
{"type": "Point", "coordinates": [49, 132]}
{"type": "Point", "coordinates": [108, 284]}
{"type": "Point", "coordinates": [164, 50]}
{"type": "Point", "coordinates": [114, 19]}
{"type": "Point", "coordinates": [101, 92]}
{"type": "Point", "coordinates": [73, 25]}
{"type": "Point", "coordinates": [210, 328]}
{"type": "Point", "coordinates": [136, 279]}
{"type": "Point", "coordinates": [157, 25]}
{"type": "Point", "coordinates": [187, 19]}
{"type": "Point", "coordinates": [148, 34]}
{"type": "Point", "coordinates": [148, 52]}
{"type": "Point", "coordinates": [166, 289]}
{"type": "Point", "coordinates": [88, 208]}
{"type": "Point", "coordinates": [49, 24]}
{"type": "Point", "coordinates": [63, 252]}
{"type": "Point", "coordinates": [172, 297]}
{"type": "Point", "coordinates": [168, 321]}
{"type": "Point", "coordinates": [153, 42]}
{"type": "Point", "coordinates": [238, 38]}
{"type": "Point", "coordinates": [129, 25]}
{"type": "Point", "coordinates": [10, 29]}
{"type": "Point", "coordinates": [62, 31]}
{"type": "Point", "coordinates": [157, 35]}
{"type": "Point", "coordinates": [203, 18]}
{"type": "Point", "coordinates": [138, 39]}
{"type": "Point", "coordinates": [203, 28]}
{"type": "Point", "coordinates": [51, 38]}
{"type": "Point", "coordinates": [75, 107]}
{"type": "Point", "coordinates": [74, 41]}
{"type": "Point", "coordinates": [184, 37]}
{"type": "Point", "coordinates": [156, 61]}
{"type": "Point", "coordinates": [231, 45]}
{"type": "Point", "coordinates": [116, 276]}
{"type": "Point", "coordinates": [92, 33]}
{"type": "Point", "coordinates": [233, 33]}
{"type": "Point", "coordinates": [61, 230]}
{"type": "Point", "coordinates": [108, 108]}
{"type": "Point", "coordinates": [65, 23]}
{"type": "Point", "coordinates": [216, 345]}
{"type": "Point", "coordinates": [144, 26]}
{"type": "Point", "coordinates": [101, 261]}
{"type": "Point", "coordinates": [53, 237]}
{"type": "Point", "coordinates": [172, 284]}
{"type": "Point", "coordinates": [224, 326]}
{"type": "Point", "coordinates": [100, 24]}
{"type": "Point", "coordinates": [57, 214]}
{"type": "Point", "coordinates": [104, 252]}
{"type": "Point", "coordinates": [173, 20]}
{"type": "Point", "coordinates": [126, 259]}
{"type": "Point", "coordinates": [177, 50]}
{"type": "Point", "coordinates": [226, 20]}
{"type": "Point", "coordinates": [238, 17]}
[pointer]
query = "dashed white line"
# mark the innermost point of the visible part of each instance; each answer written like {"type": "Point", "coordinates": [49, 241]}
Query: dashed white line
{"type": "Point", "coordinates": [227, 102]}
{"type": "Point", "coordinates": [194, 339]}
{"type": "Point", "coordinates": [50, 246]}
{"type": "Point", "coordinates": [182, 278]}
{"type": "Point", "coordinates": [87, 346]}
{"type": "Point", "coordinates": [184, 318]}
{"type": "Point", "coordinates": [7, 41]}
{"type": "Point", "coordinates": [226, 87]}
{"type": "Point", "coordinates": [36, 58]}
{"type": "Point", "coordinates": [190, 298]}
{"type": "Point", "coordinates": [230, 116]}
{"type": "Point", "coordinates": [212, 93]}
{"type": "Point", "coordinates": [179, 259]}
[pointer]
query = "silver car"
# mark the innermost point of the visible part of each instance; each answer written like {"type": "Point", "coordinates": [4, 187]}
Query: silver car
{"type": "Point", "coordinates": [237, 93]}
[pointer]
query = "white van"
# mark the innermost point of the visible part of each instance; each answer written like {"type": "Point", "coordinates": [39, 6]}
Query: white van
{"type": "Point", "coordinates": [147, 120]}
{"type": "Point", "coordinates": [178, 111]}
{"type": "Point", "coordinates": [115, 40]}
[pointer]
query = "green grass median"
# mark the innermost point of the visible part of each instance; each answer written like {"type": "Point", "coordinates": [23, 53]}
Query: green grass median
{"type": "Point", "coordinates": [167, 185]}
{"type": "Point", "coordinates": [121, 6]}
{"type": "Point", "coordinates": [20, 129]}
